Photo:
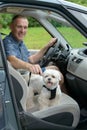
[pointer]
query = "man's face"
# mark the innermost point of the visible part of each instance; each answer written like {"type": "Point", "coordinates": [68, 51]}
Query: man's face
{"type": "Point", "coordinates": [19, 28]}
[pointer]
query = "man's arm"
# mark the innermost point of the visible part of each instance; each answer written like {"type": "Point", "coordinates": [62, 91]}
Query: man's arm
{"type": "Point", "coordinates": [36, 57]}
{"type": "Point", "coordinates": [19, 64]}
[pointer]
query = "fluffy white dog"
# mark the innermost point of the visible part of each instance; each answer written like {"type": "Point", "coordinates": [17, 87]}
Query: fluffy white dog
{"type": "Point", "coordinates": [51, 91]}
{"type": "Point", "coordinates": [34, 88]}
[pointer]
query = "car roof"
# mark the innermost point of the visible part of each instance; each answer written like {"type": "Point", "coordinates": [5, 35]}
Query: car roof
{"type": "Point", "coordinates": [61, 2]}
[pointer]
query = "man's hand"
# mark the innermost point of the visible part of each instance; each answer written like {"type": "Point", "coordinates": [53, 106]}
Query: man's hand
{"type": "Point", "coordinates": [35, 69]}
{"type": "Point", "coordinates": [52, 42]}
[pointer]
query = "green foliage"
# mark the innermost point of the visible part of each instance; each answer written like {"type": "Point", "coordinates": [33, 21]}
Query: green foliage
{"type": "Point", "coordinates": [81, 2]}
{"type": "Point", "coordinates": [56, 24]}
{"type": "Point", "coordinates": [33, 22]}
{"type": "Point", "coordinates": [5, 19]}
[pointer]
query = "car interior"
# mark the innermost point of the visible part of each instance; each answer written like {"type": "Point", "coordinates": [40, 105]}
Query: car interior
{"type": "Point", "coordinates": [71, 113]}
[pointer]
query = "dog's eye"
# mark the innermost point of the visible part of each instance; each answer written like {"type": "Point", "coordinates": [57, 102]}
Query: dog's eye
{"type": "Point", "coordinates": [46, 76]}
{"type": "Point", "coordinates": [53, 76]}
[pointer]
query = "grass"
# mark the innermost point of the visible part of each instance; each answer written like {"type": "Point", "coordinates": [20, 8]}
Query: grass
{"type": "Point", "coordinates": [75, 38]}
{"type": "Point", "coordinates": [37, 37]}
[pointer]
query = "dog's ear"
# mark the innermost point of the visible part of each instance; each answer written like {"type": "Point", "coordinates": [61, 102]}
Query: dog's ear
{"type": "Point", "coordinates": [59, 76]}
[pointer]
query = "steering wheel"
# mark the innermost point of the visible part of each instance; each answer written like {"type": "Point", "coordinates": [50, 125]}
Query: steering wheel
{"type": "Point", "coordinates": [48, 56]}
{"type": "Point", "coordinates": [55, 54]}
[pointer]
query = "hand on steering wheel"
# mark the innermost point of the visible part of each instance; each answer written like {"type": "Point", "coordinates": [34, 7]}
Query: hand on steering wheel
{"type": "Point", "coordinates": [48, 56]}
{"type": "Point", "coordinates": [55, 53]}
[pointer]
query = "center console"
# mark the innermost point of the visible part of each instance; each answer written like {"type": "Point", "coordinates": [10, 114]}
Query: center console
{"type": "Point", "coordinates": [77, 64]}
{"type": "Point", "coordinates": [77, 75]}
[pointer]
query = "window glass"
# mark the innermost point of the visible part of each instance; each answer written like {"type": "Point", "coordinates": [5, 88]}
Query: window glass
{"type": "Point", "coordinates": [70, 34]}
{"type": "Point", "coordinates": [36, 36]}
{"type": "Point", "coordinates": [80, 16]}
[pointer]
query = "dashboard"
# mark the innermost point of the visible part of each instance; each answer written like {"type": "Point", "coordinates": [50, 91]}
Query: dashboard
{"type": "Point", "coordinates": [77, 63]}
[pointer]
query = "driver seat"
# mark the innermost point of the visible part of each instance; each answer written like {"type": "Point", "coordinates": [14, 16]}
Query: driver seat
{"type": "Point", "coordinates": [66, 113]}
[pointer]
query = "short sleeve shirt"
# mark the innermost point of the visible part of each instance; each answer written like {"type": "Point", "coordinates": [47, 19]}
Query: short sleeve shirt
{"type": "Point", "coordinates": [15, 48]}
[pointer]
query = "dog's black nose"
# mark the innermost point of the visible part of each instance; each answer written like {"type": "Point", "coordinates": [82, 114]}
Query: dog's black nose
{"type": "Point", "coordinates": [49, 79]}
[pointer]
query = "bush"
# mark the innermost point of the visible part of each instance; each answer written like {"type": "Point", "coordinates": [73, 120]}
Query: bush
{"type": "Point", "coordinates": [5, 19]}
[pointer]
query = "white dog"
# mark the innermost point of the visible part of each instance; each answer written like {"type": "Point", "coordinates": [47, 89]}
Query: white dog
{"type": "Point", "coordinates": [34, 88]}
{"type": "Point", "coordinates": [51, 91]}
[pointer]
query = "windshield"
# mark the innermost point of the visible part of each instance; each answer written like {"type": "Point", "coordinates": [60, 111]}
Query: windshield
{"type": "Point", "coordinates": [80, 16]}
{"type": "Point", "coordinates": [74, 38]}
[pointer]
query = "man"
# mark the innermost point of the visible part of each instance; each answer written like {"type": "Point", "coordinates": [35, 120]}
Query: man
{"type": "Point", "coordinates": [16, 51]}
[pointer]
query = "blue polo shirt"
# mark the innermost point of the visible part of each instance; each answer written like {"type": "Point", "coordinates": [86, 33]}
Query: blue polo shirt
{"type": "Point", "coordinates": [15, 48]}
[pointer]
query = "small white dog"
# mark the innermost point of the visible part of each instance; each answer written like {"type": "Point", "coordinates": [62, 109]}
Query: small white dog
{"type": "Point", "coordinates": [51, 91]}
{"type": "Point", "coordinates": [35, 87]}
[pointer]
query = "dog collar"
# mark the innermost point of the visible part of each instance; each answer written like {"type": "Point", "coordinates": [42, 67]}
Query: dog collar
{"type": "Point", "coordinates": [53, 92]}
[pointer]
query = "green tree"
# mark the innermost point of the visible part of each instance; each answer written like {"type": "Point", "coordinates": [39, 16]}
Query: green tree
{"type": "Point", "coordinates": [5, 19]}
{"type": "Point", "coordinates": [33, 22]}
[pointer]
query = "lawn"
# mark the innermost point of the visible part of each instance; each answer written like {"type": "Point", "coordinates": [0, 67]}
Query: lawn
{"type": "Point", "coordinates": [37, 37]}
